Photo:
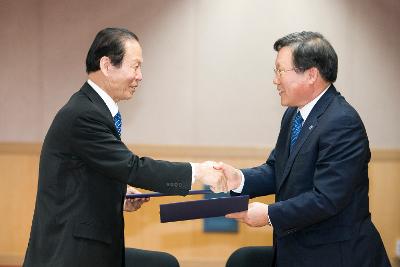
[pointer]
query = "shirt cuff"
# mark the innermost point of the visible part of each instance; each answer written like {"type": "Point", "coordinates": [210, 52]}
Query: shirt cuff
{"type": "Point", "coordinates": [193, 174]}
{"type": "Point", "coordinates": [240, 188]}
{"type": "Point", "coordinates": [269, 220]}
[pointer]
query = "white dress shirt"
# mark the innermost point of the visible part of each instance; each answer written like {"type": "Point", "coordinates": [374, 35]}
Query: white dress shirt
{"type": "Point", "coordinates": [112, 106]}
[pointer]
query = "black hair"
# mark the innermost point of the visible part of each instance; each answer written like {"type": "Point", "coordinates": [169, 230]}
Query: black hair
{"type": "Point", "coordinates": [108, 42]}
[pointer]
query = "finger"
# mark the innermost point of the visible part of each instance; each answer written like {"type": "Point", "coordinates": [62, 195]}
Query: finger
{"type": "Point", "coordinates": [217, 181]}
{"type": "Point", "coordinates": [218, 166]}
{"type": "Point", "coordinates": [217, 185]}
{"type": "Point", "coordinates": [237, 219]}
{"type": "Point", "coordinates": [137, 203]}
{"type": "Point", "coordinates": [213, 189]}
{"type": "Point", "coordinates": [225, 182]}
{"type": "Point", "coordinates": [140, 201]}
{"type": "Point", "coordinates": [222, 185]}
{"type": "Point", "coordinates": [218, 188]}
{"type": "Point", "coordinates": [235, 215]}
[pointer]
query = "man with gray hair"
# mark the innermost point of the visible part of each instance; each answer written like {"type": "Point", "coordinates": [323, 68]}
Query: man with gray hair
{"type": "Point", "coordinates": [318, 169]}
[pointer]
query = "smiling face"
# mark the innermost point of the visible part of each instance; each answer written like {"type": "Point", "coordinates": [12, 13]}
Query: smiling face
{"type": "Point", "coordinates": [123, 80]}
{"type": "Point", "coordinates": [293, 87]}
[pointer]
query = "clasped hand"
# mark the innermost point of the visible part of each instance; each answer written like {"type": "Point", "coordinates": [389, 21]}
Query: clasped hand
{"type": "Point", "coordinates": [219, 176]}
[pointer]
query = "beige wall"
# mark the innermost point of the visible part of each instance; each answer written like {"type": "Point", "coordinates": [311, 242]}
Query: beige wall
{"type": "Point", "coordinates": [207, 82]}
{"type": "Point", "coordinates": [186, 240]}
{"type": "Point", "coordinates": [208, 65]}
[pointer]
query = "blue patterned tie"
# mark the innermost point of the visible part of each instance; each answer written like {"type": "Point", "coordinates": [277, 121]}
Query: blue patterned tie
{"type": "Point", "coordinates": [296, 128]}
{"type": "Point", "coordinates": [118, 122]}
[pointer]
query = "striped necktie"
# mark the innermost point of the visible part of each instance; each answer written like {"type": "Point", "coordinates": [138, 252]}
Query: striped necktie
{"type": "Point", "coordinates": [118, 122]}
{"type": "Point", "coordinates": [296, 128]}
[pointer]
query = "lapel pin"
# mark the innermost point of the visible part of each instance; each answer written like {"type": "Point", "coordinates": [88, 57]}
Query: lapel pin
{"type": "Point", "coordinates": [311, 126]}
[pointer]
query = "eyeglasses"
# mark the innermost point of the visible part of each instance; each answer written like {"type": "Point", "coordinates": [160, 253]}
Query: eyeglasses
{"type": "Point", "coordinates": [280, 72]}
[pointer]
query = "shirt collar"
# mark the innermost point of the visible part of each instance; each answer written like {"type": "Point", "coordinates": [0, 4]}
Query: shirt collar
{"type": "Point", "coordinates": [112, 106]}
{"type": "Point", "coordinates": [306, 110]}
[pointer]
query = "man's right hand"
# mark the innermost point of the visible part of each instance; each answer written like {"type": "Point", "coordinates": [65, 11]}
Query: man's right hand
{"type": "Point", "coordinates": [208, 175]}
{"type": "Point", "coordinates": [233, 175]}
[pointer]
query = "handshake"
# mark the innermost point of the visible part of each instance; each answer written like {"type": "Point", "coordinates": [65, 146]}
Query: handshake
{"type": "Point", "coordinates": [220, 177]}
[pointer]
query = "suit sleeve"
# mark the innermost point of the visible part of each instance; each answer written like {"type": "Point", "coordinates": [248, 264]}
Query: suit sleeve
{"type": "Point", "coordinates": [94, 142]}
{"type": "Point", "coordinates": [260, 181]}
{"type": "Point", "coordinates": [342, 160]}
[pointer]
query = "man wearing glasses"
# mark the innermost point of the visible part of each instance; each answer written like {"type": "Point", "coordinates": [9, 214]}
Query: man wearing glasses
{"type": "Point", "coordinates": [318, 169]}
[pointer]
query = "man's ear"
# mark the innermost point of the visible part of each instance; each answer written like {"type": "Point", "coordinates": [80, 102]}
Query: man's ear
{"type": "Point", "coordinates": [313, 74]}
{"type": "Point", "coordinates": [105, 65]}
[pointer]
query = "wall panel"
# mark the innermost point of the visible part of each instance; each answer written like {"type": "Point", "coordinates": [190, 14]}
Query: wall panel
{"type": "Point", "coordinates": [186, 240]}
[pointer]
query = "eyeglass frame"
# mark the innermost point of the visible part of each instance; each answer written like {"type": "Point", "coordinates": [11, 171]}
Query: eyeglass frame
{"type": "Point", "coordinates": [280, 72]}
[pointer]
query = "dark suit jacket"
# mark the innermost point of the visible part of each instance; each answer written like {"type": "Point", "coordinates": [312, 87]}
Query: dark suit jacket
{"type": "Point", "coordinates": [83, 172]}
{"type": "Point", "coordinates": [321, 214]}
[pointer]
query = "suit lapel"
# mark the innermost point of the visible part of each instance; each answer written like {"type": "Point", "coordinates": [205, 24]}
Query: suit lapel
{"type": "Point", "coordinates": [309, 125]}
{"type": "Point", "coordinates": [288, 129]}
{"type": "Point", "coordinates": [284, 135]}
{"type": "Point", "coordinates": [101, 106]}
{"type": "Point", "coordinates": [283, 144]}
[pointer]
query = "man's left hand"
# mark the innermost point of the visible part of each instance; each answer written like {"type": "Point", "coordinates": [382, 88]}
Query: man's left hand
{"type": "Point", "coordinates": [133, 204]}
{"type": "Point", "coordinates": [255, 216]}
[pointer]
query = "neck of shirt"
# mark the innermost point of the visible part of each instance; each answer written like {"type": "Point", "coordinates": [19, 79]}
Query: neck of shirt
{"type": "Point", "coordinates": [112, 106]}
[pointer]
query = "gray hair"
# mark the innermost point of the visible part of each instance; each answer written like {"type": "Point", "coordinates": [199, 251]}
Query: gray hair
{"type": "Point", "coordinates": [311, 49]}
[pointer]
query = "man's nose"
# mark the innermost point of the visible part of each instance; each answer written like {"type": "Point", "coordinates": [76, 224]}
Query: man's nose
{"type": "Point", "coordinates": [139, 75]}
